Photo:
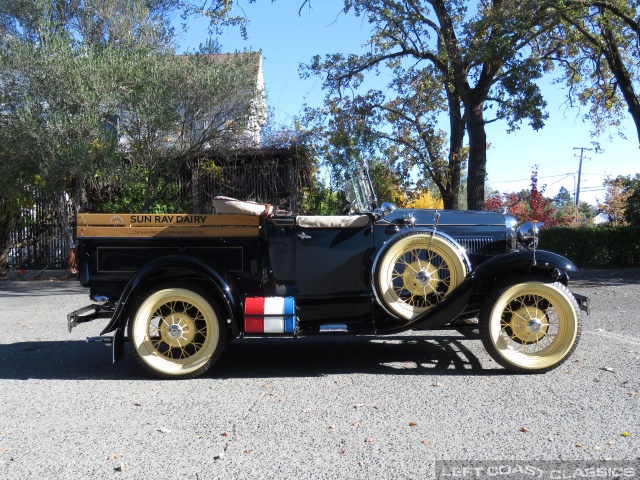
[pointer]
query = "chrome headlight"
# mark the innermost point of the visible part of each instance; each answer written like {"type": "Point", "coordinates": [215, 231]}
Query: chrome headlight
{"type": "Point", "coordinates": [528, 234]}
{"type": "Point", "coordinates": [387, 208]}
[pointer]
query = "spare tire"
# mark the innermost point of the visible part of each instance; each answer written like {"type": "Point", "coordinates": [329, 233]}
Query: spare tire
{"type": "Point", "coordinates": [417, 270]}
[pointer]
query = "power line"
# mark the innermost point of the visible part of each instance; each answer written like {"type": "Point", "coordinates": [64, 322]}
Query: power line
{"type": "Point", "coordinates": [558, 181]}
{"type": "Point", "coordinates": [527, 179]}
{"type": "Point", "coordinates": [596, 174]}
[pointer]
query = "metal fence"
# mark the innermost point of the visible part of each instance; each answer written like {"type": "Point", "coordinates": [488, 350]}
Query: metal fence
{"type": "Point", "coordinates": [277, 177]}
{"type": "Point", "coordinates": [271, 176]}
{"type": "Point", "coordinates": [39, 239]}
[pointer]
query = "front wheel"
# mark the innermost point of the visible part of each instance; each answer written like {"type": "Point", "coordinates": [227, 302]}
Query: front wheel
{"type": "Point", "coordinates": [529, 326]}
{"type": "Point", "coordinates": [177, 332]}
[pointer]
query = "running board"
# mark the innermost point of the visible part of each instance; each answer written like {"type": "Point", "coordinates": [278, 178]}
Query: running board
{"type": "Point", "coordinates": [333, 327]}
{"type": "Point", "coordinates": [108, 341]}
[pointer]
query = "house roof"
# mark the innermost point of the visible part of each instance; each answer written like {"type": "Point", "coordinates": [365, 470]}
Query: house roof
{"type": "Point", "coordinates": [253, 58]}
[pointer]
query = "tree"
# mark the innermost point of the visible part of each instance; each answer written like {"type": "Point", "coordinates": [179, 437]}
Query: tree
{"type": "Point", "coordinates": [347, 141]}
{"type": "Point", "coordinates": [632, 212]}
{"type": "Point", "coordinates": [426, 200]}
{"type": "Point", "coordinates": [476, 57]}
{"type": "Point", "coordinates": [616, 200]}
{"type": "Point", "coordinates": [405, 129]}
{"type": "Point", "coordinates": [563, 198]}
{"type": "Point", "coordinates": [89, 101]}
{"type": "Point", "coordinates": [530, 205]}
{"type": "Point", "coordinates": [597, 44]}
{"type": "Point", "coordinates": [586, 212]}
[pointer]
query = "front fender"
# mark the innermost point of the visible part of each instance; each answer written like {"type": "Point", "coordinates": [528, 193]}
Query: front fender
{"type": "Point", "coordinates": [526, 261]}
{"type": "Point", "coordinates": [202, 269]}
{"type": "Point", "coordinates": [530, 260]}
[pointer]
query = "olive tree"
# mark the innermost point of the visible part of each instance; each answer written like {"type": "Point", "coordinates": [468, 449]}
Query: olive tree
{"type": "Point", "coordinates": [93, 94]}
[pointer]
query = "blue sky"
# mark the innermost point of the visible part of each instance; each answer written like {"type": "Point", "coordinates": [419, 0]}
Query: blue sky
{"type": "Point", "coordinates": [287, 40]}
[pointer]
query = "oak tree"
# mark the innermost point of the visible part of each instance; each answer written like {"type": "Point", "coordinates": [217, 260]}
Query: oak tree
{"type": "Point", "coordinates": [597, 45]}
{"type": "Point", "coordinates": [478, 58]}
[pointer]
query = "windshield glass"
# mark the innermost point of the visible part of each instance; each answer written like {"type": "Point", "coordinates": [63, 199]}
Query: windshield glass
{"type": "Point", "coordinates": [360, 189]}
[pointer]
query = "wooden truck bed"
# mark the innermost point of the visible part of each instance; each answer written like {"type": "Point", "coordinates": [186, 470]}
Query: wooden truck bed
{"type": "Point", "coordinates": [166, 225]}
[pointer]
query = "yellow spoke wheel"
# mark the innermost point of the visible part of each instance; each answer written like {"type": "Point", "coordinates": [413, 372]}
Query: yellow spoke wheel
{"type": "Point", "coordinates": [416, 272]}
{"type": "Point", "coordinates": [530, 326]}
{"type": "Point", "coordinates": [176, 332]}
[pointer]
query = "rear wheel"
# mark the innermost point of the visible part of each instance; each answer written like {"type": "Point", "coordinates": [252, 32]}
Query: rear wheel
{"type": "Point", "coordinates": [177, 332]}
{"type": "Point", "coordinates": [529, 326]}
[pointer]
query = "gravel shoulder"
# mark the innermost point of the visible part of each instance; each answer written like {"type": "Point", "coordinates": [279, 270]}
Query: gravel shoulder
{"type": "Point", "coordinates": [359, 407]}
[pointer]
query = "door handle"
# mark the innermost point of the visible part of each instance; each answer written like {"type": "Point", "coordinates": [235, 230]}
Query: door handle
{"type": "Point", "coordinates": [303, 236]}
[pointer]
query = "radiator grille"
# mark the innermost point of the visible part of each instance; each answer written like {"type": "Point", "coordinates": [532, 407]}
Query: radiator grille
{"type": "Point", "coordinates": [479, 249]}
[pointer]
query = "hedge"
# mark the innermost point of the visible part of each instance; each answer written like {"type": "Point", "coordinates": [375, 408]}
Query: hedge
{"type": "Point", "coordinates": [588, 247]}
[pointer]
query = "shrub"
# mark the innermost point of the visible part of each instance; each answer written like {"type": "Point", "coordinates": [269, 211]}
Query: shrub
{"type": "Point", "coordinates": [588, 247]}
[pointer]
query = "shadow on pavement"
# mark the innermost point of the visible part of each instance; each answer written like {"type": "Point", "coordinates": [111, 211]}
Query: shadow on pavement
{"type": "Point", "coordinates": [600, 282]}
{"type": "Point", "coordinates": [41, 289]}
{"type": "Point", "coordinates": [256, 358]}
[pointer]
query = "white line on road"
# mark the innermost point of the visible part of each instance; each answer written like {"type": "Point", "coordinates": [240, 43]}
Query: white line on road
{"type": "Point", "coordinates": [616, 336]}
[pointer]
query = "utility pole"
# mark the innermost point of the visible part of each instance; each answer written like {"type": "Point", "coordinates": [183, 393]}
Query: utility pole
{"type": "Point", "coordinates": [582, 149]}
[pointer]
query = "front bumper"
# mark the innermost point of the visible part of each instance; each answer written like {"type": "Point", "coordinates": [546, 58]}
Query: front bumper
{"type": "Point", "coordinates": [583, 302]}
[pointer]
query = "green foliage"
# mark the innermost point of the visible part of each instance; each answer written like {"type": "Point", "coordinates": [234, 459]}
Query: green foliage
{"type": "Point", "coordinates": [323, 200]}
{"type": "Point", "coordinates": [631, 186]}
{"type": "Point", "coordinates": [563, 198]}
{"type": "Point", "coordinates": [594, 247]}
{"type": "Point", "coordinates": [87, 85]}
{"type": "Point", "coordinates": [446, 59]}
{"type": "Point", "coordinates": [79, 98]}
{"type": "Point", "coordinates": [387, 183]}
{"type": "Point", "coordinates": [596, 44]}
{"type": "Point", "coordinates": [132, 196]}
{"type": "Point", "coordinates": [346, 142]}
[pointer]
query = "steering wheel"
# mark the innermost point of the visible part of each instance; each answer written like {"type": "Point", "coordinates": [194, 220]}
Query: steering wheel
{"type": "Point", "coordinates": [347, 210]}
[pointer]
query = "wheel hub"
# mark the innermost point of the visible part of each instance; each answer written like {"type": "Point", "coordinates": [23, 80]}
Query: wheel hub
{"type": "Point", "coordinates": [534, 325]}
{"type": "Point", "coordinates": [528, 324]}
{"type": "Point", "coordinates": [177, 330]}
{"type": "Point", "coordinates": [421, 279]}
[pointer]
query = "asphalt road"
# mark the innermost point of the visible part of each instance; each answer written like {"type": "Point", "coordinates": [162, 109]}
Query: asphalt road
{"type": "Point", "coordinates": [311, 407]}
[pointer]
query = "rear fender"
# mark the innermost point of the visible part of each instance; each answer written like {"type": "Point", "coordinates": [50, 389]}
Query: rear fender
{"type": "Point", "coordinates": [201, 269]}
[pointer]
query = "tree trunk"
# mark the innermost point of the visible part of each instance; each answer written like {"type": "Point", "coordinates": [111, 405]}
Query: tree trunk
{"type": "Point", "coordinates": [456, 150]}
{"type": "Point", "coordinates": [623, 77]}
{"type": "Point", "coordinates": [477, 157]}
{"type": "Point", "coordinates": [196, 202]}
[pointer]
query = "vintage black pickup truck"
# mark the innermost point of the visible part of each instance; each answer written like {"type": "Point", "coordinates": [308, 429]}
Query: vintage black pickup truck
{"type": "Point", "coordinates": [179, 287]}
